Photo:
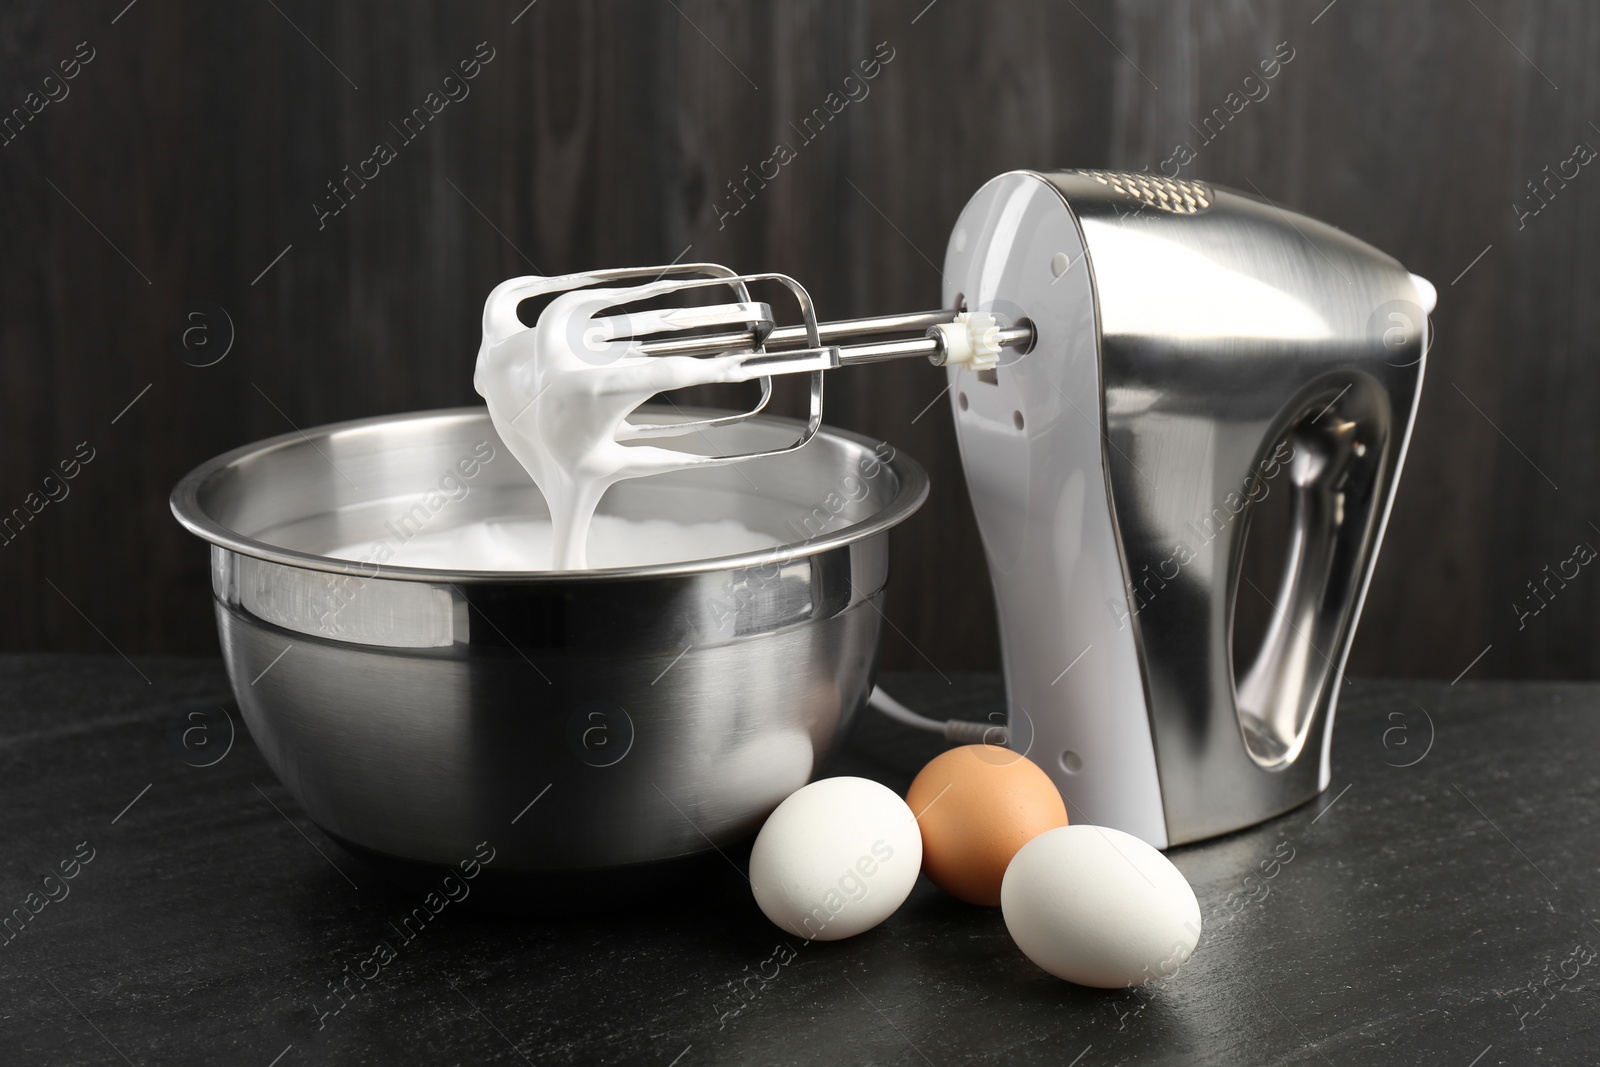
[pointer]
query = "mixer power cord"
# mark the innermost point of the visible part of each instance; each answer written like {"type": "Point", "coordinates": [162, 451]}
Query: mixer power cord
{"type": "Point", "coordinates": [956, 731]}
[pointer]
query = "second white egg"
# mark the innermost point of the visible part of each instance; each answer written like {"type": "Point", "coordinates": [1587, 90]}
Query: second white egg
{"type": "Point", "coordinates": [1099, 907]}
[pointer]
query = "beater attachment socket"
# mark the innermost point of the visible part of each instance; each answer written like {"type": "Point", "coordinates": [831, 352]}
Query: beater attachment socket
{"type": "Point", "coordinates": [973, 341]}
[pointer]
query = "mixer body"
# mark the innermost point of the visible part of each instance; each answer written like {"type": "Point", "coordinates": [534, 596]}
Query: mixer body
{"type": "Point", "coordinates": [1196, 349]}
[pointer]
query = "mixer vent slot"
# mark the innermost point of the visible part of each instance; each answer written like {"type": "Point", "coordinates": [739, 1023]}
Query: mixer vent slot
{"type": "Point", "coordinates": [1167, 194]}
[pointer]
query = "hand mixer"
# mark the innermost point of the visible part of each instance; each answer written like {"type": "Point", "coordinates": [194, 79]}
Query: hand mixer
{"type": "Point", "coordinates": [1132, 362]}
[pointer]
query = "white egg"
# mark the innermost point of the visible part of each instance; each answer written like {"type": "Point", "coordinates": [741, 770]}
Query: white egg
{"type": "Point", "coordinates": [1099, 907]}
{"type": "Point", "coordinates": [836, 858]}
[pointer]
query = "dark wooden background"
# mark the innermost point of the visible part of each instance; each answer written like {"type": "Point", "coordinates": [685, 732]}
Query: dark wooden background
{"type": "Point", "coordinates": [189, 152]}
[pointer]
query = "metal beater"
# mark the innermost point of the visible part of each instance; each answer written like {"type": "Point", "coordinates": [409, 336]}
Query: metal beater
{"type": "Point", "coordinates": [746, 326]}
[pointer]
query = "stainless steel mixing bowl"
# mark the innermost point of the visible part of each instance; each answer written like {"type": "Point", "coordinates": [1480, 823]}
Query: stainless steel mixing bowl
{"type": "Point", "coordinates": [573, 720]}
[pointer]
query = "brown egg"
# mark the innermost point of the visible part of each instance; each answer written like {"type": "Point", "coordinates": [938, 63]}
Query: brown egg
{"type": "Point", "coordinates": [977, 805]}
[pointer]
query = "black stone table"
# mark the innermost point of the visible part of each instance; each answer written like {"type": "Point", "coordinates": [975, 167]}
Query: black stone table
{"type": "Point", "coordinates": [1434, 906]}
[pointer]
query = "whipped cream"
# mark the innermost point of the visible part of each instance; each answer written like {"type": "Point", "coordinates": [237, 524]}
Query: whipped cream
{"type": "Point", "coordinates": [560, 393]}
{"type": "Point", "coordinates": [528, 544]}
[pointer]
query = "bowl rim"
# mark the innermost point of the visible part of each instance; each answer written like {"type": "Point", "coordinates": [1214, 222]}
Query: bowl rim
{"type": "Point", "coordinates": [910, 493]}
